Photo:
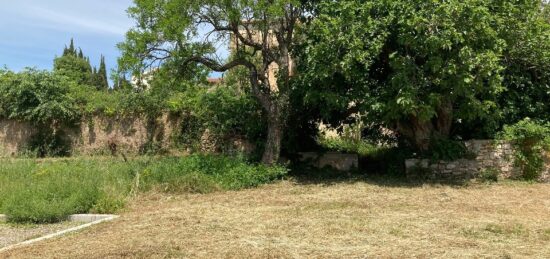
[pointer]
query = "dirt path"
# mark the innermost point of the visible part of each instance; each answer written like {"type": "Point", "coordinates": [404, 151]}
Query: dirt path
{"type": "Point", "coordinates": [341, 220]}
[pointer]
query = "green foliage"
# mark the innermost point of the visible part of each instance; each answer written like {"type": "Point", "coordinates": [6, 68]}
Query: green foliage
{"type": "Point", "coordinates": [50, 190]}
{"type": "Point", "coordinates": [40, 97]}
{"type": "Point", "coordinates": [531, 140]}
{"type": "Point", "coordinates": [349, 145]}
{"type": "Point", "coordinates": [447, 150]}
{"type": "Point", "coordinates": [526, 29]}
{"type": "Point", "coordinates": [52, 103]}
{"type": "Point", "coordinates": [74, 68]}
{"type": "Point", "coordinates": [172, 33]}
{"type": "Point", "coordinates": [388, 161]}
{"type": "Point", "coordinates": [77, 68]}
{"type": "Point", "coordinates": [424, 68]}
{"type": "Point", "coordinates": [48, 143]}
{"type": "Point", "coordinates": [489, 175]}
{"type": "Point", "coordinates": [224, 111]}
{"type": "Point", "coordinates": [189, 183]}
{"type": "Point", "coordinates": [216, 172]}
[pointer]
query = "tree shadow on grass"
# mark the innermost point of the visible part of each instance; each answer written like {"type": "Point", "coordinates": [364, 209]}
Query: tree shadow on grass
{"type": "Point", "coordinates": [305, 175]}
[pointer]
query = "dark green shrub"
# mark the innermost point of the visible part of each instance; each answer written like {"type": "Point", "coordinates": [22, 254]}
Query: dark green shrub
{"type": "Point", "coordinates": [223, 111]}
{"type": "Point", "coordinates": [447, 150]}
{"type": "Point", "coordinates": [47, 143]}
{"type": "Point", "coordinates": [530, 140]}
{"type": "Point", "coordinates": [489, 175]}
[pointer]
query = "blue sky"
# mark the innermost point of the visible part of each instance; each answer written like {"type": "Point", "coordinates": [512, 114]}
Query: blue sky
{"type": "Point", "coordinates": [33, 32]}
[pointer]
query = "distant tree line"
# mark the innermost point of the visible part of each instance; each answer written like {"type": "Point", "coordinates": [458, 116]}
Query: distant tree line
{"type": "Point", "coordinates": [76, 66]}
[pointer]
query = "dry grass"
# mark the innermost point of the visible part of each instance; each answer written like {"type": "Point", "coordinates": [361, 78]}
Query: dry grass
{"type": "Point", "coordinates": [339, 220]}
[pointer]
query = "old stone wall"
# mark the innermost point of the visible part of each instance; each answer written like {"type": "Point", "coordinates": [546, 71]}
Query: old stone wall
{"type": "Point", "coordinates": [14, 136]}
{"type": "Point", "coordinates": [489, 154]}
{"type": "Point", "coordinates": [97, 135]}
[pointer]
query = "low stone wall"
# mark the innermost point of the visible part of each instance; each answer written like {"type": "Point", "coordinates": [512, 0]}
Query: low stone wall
{"type": "Point", "coordinates": [489, 154]}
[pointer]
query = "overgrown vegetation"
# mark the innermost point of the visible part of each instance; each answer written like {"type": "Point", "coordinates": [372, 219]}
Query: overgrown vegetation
{"type": "Point", "coordinates": [348, 145]}
{"type": "Point", "coordinates": [447, 150]}
{"type": "Point", "coordinates": [428, 70]}
{"type": "Point", "coordinates": [489, 175]}
{"type": "Point", "coordinates": [531, 140]}
{"type": "Point", "coordinates": [50, 190]}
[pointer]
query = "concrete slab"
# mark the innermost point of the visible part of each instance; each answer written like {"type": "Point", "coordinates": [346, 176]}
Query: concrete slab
{"type": "Point", "coordinates": [88, 219]}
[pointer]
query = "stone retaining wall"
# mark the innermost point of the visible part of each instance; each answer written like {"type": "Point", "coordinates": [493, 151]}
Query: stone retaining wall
{"type": "Point", "coordinates": [489, 154]}
{"type": "Point", "coordinates": [95, 135]}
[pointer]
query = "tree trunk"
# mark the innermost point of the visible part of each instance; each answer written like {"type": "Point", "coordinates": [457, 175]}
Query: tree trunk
{"type": "Point", "coordinates": [444, 120]}
{"type": "Point", "coordinates": [421, 132]}
{"type": "Point", "coordinates": [275, 126]}
{"type": "Point", "coordinates": [417, 131]}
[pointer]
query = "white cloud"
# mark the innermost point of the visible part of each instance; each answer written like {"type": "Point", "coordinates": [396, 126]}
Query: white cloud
{"type": "Point", "coordinates": [100, 17]}
{"type": "Point", "coordinates": [55, 20]}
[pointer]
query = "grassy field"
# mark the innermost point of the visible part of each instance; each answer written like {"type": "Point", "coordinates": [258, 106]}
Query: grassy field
{"type": "Point", "coordinates": [46, 191]}
{"type": "Point", "coordinates": [329, 219]}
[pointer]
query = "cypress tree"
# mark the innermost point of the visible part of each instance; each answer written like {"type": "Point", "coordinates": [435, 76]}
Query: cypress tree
{"type": "Point", "coordinates": [74, 64]}
{"type": "Point", "coordinates": [103, 83]}
{"type": "Point", "coordinates": [65, 51]}
{"type": "Point", "coordinates": [72, 50]}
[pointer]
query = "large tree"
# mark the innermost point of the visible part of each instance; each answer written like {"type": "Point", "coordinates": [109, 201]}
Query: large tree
{"type": "Point", "coordinates": [421, 68]}
{"type": "Point", "coordinates": [262, 35]}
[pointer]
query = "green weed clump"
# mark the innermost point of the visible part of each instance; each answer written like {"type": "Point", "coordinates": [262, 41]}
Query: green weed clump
{"type": "Point", "coordinates": [47, 191]}
{"type": "Point", "coordinates": [489, 175]}
{"type": "Point", "coordinates": [349, 145]}
{"type": "Point", "coordinates": [207, 173]}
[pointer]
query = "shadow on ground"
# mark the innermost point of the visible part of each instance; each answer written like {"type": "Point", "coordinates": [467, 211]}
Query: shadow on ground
{"type": "Point", "coordinates": [306, 175]}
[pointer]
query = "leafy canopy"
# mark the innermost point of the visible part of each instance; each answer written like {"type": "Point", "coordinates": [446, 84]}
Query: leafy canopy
{"type": "Point", "coordinates": [421, 66]}
{"type": "Point", "coordinates": [37, 96]}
